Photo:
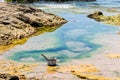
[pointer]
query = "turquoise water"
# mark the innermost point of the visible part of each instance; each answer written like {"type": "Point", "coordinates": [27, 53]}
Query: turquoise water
{"type": "Point", "coordinates": [73, 40]}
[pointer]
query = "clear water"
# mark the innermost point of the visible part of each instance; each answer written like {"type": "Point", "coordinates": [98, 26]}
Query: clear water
{"type": "Point", "coordinates": [73, 40]}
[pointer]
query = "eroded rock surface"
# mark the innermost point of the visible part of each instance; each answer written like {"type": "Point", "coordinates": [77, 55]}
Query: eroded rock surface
{"type": "Point", "coordinates": [113, 20]}
{"type": "Point", "coordinates": [18, 21]}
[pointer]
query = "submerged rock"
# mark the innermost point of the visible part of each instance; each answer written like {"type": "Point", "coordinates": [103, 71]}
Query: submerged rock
{"type": "Point", "coordinates": [18, 21]}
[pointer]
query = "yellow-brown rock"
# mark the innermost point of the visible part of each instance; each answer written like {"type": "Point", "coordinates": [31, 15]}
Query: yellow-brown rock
{"type": "Point", "coordinates": [113, 20]}
{"type": "Point", "coordinates": [87, 76]}
{"type": "Point", "coordinates": [80, 68]}
{"type": "Point", "coordinates": [113, 55]}
{"type": "Point", "coordinates": [18, 21]}
{"type": "Point", "coordinates": [14, 68]}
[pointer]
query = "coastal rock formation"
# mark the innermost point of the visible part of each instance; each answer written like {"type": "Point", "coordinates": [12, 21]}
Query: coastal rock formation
{"type": "Point", "coordinates": [96, 16]}
{"type": "Point", "coordinates": [113, 20]}
{"type": "Point", "coordinates": [10, 70]}
{"type": "Point", "coordinates": [18, 21]}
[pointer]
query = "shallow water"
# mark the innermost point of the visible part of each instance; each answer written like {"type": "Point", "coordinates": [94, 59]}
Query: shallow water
{"type": "Point", "coordinates": [73, 40]}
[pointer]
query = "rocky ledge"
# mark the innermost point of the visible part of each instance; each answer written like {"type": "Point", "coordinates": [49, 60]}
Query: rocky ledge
{"type": "Point", "coordinates": [99, 16]}
{"type": "Point", "coordinates": [18, 21]}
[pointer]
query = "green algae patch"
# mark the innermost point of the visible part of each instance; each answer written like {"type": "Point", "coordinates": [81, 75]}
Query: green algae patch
{"type": "Point", "coordinates": [112, 20]}
{"type": "Point", "coordinates": [15, 42]}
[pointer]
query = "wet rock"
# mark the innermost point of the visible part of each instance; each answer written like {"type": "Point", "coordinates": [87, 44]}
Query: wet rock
{"type": "Point", "coordinates": [18, 21]}
{"type": "Point", "coordinates": [96, 15]}
{"type": "Point", "coordinates": [113, 20]}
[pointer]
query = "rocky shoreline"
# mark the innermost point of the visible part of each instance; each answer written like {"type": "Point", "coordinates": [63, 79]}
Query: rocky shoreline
{"type": "Point", "coordinates": [112, 20]}
{"type": "Point", "coordinates": [18, 21]}
{"type": "Point", "coordinates": [85, 69]}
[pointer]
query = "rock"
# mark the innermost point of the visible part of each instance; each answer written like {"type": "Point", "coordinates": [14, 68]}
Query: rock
{"type": "Point", "coordinates": [4, 76]}
{"type": "Point", "coordinates": [13, 78]}
{"type": "Point", "coordinates": [22, 77]}
{"type": "Point", "coordinates": [18, 21]}
{"type": "Point", "coordinates": [96, 15]}
{"type": "Point", "coordinates": [88, 76]}
{"type": "Point", "coordinates": [113, 20]}
{"type": "Point", "coordinates": [113, 55]}
{"type": "Point", "coordinates": [8, 77]}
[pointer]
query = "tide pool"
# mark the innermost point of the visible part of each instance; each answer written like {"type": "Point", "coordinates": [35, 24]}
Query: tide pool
{"type": "Point", "coordinates": [73, 40]}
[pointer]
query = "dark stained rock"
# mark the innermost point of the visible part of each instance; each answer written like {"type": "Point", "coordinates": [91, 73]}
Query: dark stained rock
{"type": "Point", "coordinates": [6, 76]}
{"type": "Point", "coordinates": [13, 78]}
{"type": "Point", "coordinates": [96, 15]}
{"type": "Point", "coordinates": [18, 21]}
{"type": "Point", "coordinates": [22, 77]}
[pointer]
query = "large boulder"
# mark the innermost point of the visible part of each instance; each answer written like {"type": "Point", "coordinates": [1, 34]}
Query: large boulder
{"type": "Point", "coordinates": [18, 21]}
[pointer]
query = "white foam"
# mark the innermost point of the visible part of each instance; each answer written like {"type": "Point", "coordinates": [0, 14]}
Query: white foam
{"type": "Point", "coordinates": [56, 6]}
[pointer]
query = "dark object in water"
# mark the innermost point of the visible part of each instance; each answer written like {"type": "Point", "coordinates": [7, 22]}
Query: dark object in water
{"type": "Point", "coordinates": [50, 61]}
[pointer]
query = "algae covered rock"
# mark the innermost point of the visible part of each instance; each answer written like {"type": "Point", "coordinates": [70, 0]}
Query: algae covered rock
{"type": "Point", "coordinates": [18, 21]}
{"type": "Point", "coordinates": [96, 15]}
{"type": "Point", "coordinates": [112, 20]}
